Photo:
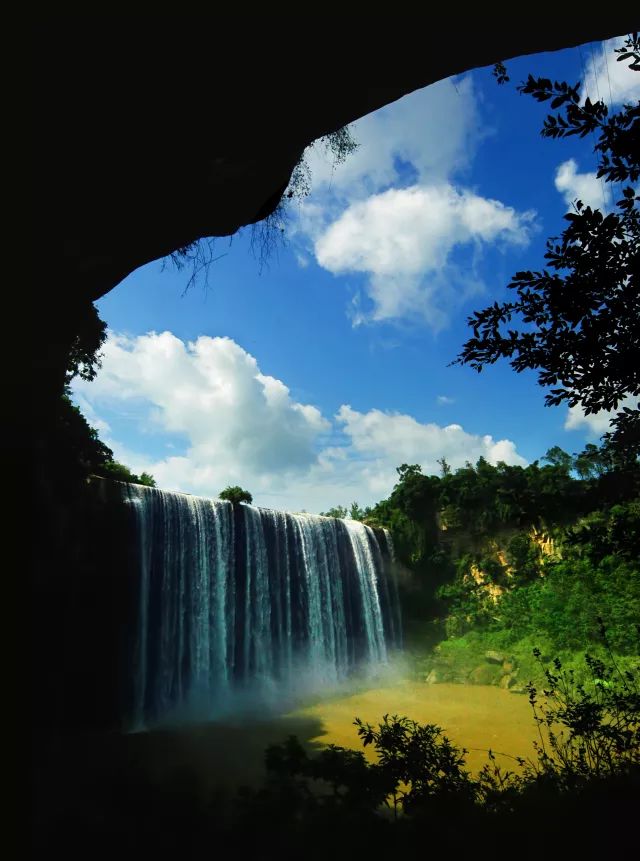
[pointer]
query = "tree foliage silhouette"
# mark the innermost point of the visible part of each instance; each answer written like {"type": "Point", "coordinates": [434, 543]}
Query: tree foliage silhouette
{"type": "Point", "coordinates": [236, 495]}
{"type": "Point", "coordinates": [579, 317]}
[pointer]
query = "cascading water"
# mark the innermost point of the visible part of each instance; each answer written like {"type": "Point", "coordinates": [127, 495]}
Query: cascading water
{"type": "Point", "coordinates": [237, 596]}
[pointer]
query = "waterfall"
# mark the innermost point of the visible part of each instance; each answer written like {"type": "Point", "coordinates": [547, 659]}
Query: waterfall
{"type": "Point", "coordinates": [236, 597]}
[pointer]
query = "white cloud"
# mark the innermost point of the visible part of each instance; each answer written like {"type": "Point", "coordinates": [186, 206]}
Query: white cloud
{"type": "Point", "coordinates": [392, 212]}
{"type": "Point", "coordinates": [243, 427]}
{"type": "Point", "coordinates": [402, 241]}
{"type": "Point", "coordinates": [614, 83]}
{"type": "Point", "coordinates": [595, 424]}
{"type": "Point", "coordinates": [393, 438]}
{"type": "Point", "coordinates": [445, 400]}
{"type": "Point", "coordinates": [586, 187]}
{"type": "Point", "coordinates": [606, 79]}
{"type": "Point", "coordinates": [431, 132]}
{"type": "Point", "coordinates": [211, 391]}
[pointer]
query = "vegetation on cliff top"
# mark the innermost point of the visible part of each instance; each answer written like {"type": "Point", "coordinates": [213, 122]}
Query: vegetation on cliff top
{"type": "Point", "coordinates": [236, 495]}
{"type": "Point", "coordinates": [510, 557]}
{"type": "Point", "coordinates": [79, 449]}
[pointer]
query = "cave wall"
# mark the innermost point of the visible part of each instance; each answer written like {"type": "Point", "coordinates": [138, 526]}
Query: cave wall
{"type": "Point", "coordinates": [82, 610]}
{"type": "Point", "coordinates": [151, 134]}
{"type": "Point", "coordinates": [157, 133]}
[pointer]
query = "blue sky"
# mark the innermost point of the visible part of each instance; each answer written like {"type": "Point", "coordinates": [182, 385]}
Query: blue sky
{"type": "Point", "coordinates": [309, 380]}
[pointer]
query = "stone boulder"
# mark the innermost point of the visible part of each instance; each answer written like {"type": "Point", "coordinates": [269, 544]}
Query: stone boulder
{"type": "Point", "coordinates": [484, 675]}
{"type": "Point", "coordinates": [508, 681]}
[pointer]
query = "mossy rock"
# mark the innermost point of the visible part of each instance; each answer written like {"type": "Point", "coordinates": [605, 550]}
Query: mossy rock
{"type": "Point", "coordinates": [493, 657]}
{"type": "Point", "coordinates": [508, 681]}
{"type": "Point", "coordinates": [485, 675]}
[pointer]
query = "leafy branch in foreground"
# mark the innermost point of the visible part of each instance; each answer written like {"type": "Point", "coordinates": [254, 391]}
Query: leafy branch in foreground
{"type": "Point", "coordinates": [589, 733]}
{"type": "Point", "coordinates": [579, 317]}
{"type": "Point", "coordinates": [588, 729]}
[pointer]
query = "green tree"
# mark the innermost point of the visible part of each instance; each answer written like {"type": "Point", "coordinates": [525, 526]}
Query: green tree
{"type": "Point", "coordinates": [357, 513]}
{"type": "Point", "coordinates": [73, 444]}
{"type": "Point", "coordinates": [79, 450]}
{"type": "Point", "coordinates": [120, 472]}
{"type": "Point", "coordinates": [445, 469]}
{"type": "Point", "coordinates": [581, 313]}
{"type": "Point", "coordinates": [588, 463]}
{"type": "Point", "coordinates": [235, 495]}
{"type": "Point", "coordinates": [559, 458]}
{"type": "Point", "coordinates": [84, 355]}
{"type": "Point", "coordinates": [338, 511]}
{"type": "Point", "coordinates": [407, 471]}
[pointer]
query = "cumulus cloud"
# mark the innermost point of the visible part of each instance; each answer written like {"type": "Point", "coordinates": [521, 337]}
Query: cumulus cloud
{"type": "Point", "coordinates": [586, 187]}
{"type": "Point", "coordinates": [384, 436]}
{"type": "Point", "coordinates": [241, 426]}
{"type": "Point", "coordinates": [607, 80]}
{"type": "Point", "coordinates": [429, 134]}
{"type": "Point", "coordinates": [402, 241]}
{"type": "Point", "coordinates": [392, 212]}
{"type": "Point", "coordinates": [212, 392]}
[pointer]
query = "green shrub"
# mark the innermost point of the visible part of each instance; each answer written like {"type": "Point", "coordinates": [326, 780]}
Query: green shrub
{"type": "Point", "coordinates": [564, 605]}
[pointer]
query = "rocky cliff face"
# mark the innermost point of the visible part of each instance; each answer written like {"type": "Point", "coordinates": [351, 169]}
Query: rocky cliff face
{"type": "Point", "coordinates": [152, 134]}
{"type": "Point", "coordinates": [496, 550]}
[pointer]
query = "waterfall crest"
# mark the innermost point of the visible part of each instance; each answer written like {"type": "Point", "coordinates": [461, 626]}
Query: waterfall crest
{"type": "Point", "coordinates": [238, 595]}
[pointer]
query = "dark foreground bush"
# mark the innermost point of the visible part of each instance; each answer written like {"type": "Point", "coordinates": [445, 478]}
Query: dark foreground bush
{"type": "Point", "coordinates": [576, 798]}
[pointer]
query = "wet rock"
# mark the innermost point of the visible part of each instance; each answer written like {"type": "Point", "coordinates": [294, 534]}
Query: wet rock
{"type": "Point", "coordinates": [510, 665]}
{"type": "Point", "coordinates": [494, 657]}
{"type": "Point", "coordinates": [484, 675]}
{"type": "Point", "coordinates": [508, 681]}
{"type": "Point", "coordinates": [433, 678]}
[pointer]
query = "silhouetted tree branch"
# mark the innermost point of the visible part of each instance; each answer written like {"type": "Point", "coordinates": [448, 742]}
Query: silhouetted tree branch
{"type": "Point", "coordinates": [577, 321]}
